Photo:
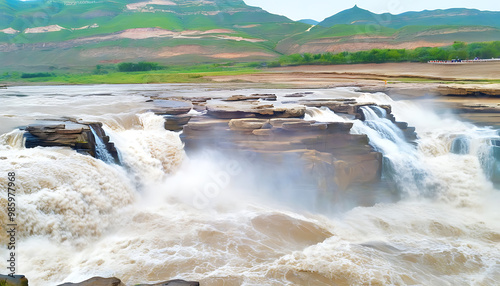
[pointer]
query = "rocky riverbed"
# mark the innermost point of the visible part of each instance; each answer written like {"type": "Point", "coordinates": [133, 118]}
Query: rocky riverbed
{"type": "Point", "coordinates": [274, 129]}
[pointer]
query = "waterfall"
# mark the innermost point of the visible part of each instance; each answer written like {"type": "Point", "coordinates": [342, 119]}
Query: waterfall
{"type": "Point", "coordinates": [461, 145]}
{"type": "Point", "coordinates": [14, 139]}
{"type": "Point", "coordinates": [101, 152]}
{"type": "Point", "coordinates": [323, 114]}
{"type": "Point", "coordinates": [401, 162]}
{"type": "Point", "coordinates": [374, 112]}
{"type": "Point", "coordinates": [483, 144]}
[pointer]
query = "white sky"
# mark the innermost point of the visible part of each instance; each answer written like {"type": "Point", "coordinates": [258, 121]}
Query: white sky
{"type": "Point", "coordinates": [321, 9]}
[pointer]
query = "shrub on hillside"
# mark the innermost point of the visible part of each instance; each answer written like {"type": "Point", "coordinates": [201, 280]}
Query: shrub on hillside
{"type": "Point", "coordinates": [459, 50]}
{"type": "Point", "coordinates": [37, 74]}
{"type": "Point", "coordinates": [140, 66]}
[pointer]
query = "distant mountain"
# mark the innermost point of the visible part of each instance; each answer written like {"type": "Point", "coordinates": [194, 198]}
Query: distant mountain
{"type": "Point", "coordinates": [309, 21]}
{"type": "Point", "coordinates": [355, 15]}
{"type": "Point", "coordinates": [456, 16]}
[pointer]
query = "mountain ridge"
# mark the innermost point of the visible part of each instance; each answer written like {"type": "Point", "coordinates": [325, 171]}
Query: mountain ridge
{"type": "Point", "coordinates": [452, 16]}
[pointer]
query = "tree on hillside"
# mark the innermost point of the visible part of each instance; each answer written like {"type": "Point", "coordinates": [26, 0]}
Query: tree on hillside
{"type": "Point", "coordinates": [140, 66]}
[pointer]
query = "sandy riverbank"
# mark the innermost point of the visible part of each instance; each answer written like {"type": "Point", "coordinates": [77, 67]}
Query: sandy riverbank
{"type": "Point", "coordinates": [477, 71]}
{"type": "Point", "coordinates": [438, 79]}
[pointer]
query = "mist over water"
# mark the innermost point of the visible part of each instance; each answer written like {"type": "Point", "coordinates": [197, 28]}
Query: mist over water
{"type": "Point", "coordinates": [234, 219]}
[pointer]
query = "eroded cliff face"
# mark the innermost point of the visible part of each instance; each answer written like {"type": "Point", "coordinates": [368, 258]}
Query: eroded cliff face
{"type": "Point", "coordinates": [284, 132]}
{"type": "Point", "coordinates": [86, 138]}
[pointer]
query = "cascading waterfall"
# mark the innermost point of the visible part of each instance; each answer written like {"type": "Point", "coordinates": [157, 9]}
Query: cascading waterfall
{"type": "Point", "coordinates": [401, 163]}
{"type": "Point", "coordinates": [79, 217]}
{"type": "Point", "coordinates": [485, 145]}
{"type": "Point", "coordinates": [456, 155]}
{"type": "Point", "coordinates": [322, 114]}
{"type": "Point", "coordinates": [492, 162]}
{"type": "Point", "coordinates": [13, 139]}
{"type": "Point", "coordinates": [101, 151]}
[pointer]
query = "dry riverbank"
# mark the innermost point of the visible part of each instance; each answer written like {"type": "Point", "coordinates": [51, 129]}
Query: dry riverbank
{"type": "Point", "coordinates": [473, 79]}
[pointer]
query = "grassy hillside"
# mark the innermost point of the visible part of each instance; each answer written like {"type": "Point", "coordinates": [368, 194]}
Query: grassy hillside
{"type": "Point", "coordinates": [457, 16]}
{"type": "Point", "coordinates": [241, 32]}
{"type": "Point", "coordinates": [69, 35]}
{"type": "Point", "coordinates": [110, 75]}
{"type": "Point", "coordinates": [114, 16]}
{"type": "Point", "coordinates": [459, 50]}
{"type": "Point", "coordinates": [344, 37]}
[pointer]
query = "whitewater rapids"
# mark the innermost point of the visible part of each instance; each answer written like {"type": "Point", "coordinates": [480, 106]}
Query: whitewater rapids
{"type": "Point", "coordinates": [80, 217]}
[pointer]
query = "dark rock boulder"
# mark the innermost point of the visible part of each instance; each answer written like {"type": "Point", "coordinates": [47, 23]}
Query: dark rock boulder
{"type": "Point", "coordinates": [17, 280]}
{"type": "Point", "coordinates": [97, 281]}
{"type": "Point", "coordinates": [299, 94]}
{"type": "Point", "coordinates": [176, 122]}
{"type": "Point", "coordinates": [409, 132]}
{"type": "Point", "coordinates": [171, 107]}
{"type": "Point", "coordinates": [254, 97]}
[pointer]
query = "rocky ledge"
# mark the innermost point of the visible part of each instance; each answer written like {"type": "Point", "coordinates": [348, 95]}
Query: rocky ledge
{"type": "Point", "coordinates": [252, 108]}
{"type": "Point", "coordinates": [488, 90]}
{"type": "Point", "coordinates": [343, 158]}
{"type": "Point", "coordinates": [278, 132]}
{"type": "Point", "coordinates": [99, 281]}
{"type": "Point", "coordinates": [85, 137]}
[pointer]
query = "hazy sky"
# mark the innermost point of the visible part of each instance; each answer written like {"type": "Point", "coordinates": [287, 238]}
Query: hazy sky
{"type": "Point", "coordinates": [320, 9]}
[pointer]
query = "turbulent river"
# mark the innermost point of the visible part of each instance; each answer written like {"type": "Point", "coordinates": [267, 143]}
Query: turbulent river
{"type": "Point", "coordinates": [142, 222]}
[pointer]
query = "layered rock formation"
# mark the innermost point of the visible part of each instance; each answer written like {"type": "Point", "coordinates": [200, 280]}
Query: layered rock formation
{"type": "Point", "coordinates": [253, 108]}
{"type": "Point", "coordinates": [492, 90]}
{"type": "Point", "coordinates": [86, 138]}
{"type": "Point", "coordinates": [277, 132]}
{"type": "Point", "coordinates": [99, 281]}
{"type": "Point", "coordinates": [171, 106]}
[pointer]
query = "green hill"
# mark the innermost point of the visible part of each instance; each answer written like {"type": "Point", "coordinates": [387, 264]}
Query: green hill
{"type": "Point", "coordinates": [456, 16]}
{"type": "Point", "coordinates": [114, 31]}
{"type": "Point", "coordinates": [66, 34]}
{"type": "Point", "coordinates": [118, 15]}
{"type": "Point", "coordinates": [345, 37]}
